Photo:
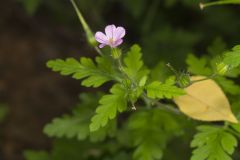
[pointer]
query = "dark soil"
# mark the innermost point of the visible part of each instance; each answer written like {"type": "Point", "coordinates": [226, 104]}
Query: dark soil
{"type": "Point", "coordinates": [33, 93]}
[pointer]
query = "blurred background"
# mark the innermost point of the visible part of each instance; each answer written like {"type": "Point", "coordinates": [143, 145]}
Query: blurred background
{"type": "Point", "coordinates": [34, 31]}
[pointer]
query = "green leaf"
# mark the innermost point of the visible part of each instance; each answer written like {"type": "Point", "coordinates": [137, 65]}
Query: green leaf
{"type": "Point", "coordinates": [148, 151]}
{"type": "Point", "coordinates": [228, 85]}
{"type": "Point", "coordinates": [217, 47]}
{"type": "Point", "coordinates": [109, 130]}
{"type": "Point", "coordinates": [160, 72]}
{"type": "Point", "coordinates": [160, 90]}
{"type": "Point", "coordinates": [36, 155]}
{"type": "Point", "coordinates": [198, 65]}
{"type": "Point", "coordinates": [70, 149]}
{"type": "Point", "coordinates": [233, 72]}
{"type": "Point", "coordinates": [93, 75]}
{"type": "Point", "coordinates": [235, 126]}
{"type": "Point", "coordinates": [229, 142]}
{"type": "Point", "coordinates": [134, 65]}
{"type": "Point", "coordinates": [143, 81]}
{"type": "Point", "coordinates": [77, 125]}
{"type": "Point", "coordinates": [149, 131]}
{"type": "Point", "coordinates": [109, 106]}
{"type": "Point", "coordinates": [232, 58]}
{"type": "Point", "coordinates": [68, 127]}
{"type": "Point", "coordinates": [213, 143]}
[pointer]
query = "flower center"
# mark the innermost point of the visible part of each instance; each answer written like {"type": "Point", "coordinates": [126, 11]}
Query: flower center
{"type": "Point", "coordinates": [111, 41]}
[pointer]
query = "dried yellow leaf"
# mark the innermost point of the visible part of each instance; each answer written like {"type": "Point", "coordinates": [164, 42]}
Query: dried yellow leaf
{"type": "Point", "coordinates": [205, 101]}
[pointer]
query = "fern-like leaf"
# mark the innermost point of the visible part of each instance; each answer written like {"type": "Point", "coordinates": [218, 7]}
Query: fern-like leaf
{"type": "Point", "coordinates": [232, 58]}
{"type": "Point", "coordinates": [135, 68]}
{"type": "Point", "coordinates": [160, 90]}
{"type": "Point", "coordinates": [109, 106]}
{"type": "Point", "coordinates": [213, 143]}
{"type": "Point", "coordinates": [77, 124]}
{"type": "Point", "coordinates": [93, 75]}
{"type": "Point", "coordinates": [150, 131]}
{"type": "Point", "coordinates": [198, 65]}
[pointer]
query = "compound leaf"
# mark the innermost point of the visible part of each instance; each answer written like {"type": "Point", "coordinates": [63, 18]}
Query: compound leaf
{"type": "Point", "coordinates": [109, 106]}
{"type": "Point", "coordinates": [149, 131]}
{"type": "Point", "coordinates": [77, 124]}
{"type": "Point", "coordinates": [198, 65]}
{"type": "Point", "coordinates": [160, 90]}
{"type": "Point", "coordinates": [93, 75]}
{"type": "Point", "coordinates": [213, 143]}
{"type": "Point", "coordinates": [232, 58]}
{"type": "Point", "coordinates": [135, 68]}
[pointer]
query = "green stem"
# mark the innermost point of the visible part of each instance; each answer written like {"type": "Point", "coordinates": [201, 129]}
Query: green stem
{"type": "Point", "coordinates": [98, 51]}
{"type": "Point", "coordinates": [159, 105]}
{"type": "Point", "coordinates": [203, 79]}
{"type": "Point", "coordinates": [148, 101]}
{"type": "Point", "coordinates": [233, 132]}
{"type": "Point", "coordinates": [86, 28]}
{"type": "Point", "coordinates": [172, 69]}
{"type": "Point", "coordinates": [221, 2]}
{"type": "Point", "coordinates": [167, 107]}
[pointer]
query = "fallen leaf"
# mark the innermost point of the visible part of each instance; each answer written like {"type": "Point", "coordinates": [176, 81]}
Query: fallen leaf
{"type": "Point", "coordinates": [205, 100]}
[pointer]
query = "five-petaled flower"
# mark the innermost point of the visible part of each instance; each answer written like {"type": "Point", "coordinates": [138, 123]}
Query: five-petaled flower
{"type": "Point", "coordinates": [112, 37]}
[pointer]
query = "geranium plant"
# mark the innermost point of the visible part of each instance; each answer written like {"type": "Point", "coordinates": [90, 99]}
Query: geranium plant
{"type": "Point", "coordinates": [146, 108]}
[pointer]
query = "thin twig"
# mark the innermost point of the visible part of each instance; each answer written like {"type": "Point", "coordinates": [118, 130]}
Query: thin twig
{"type": "Point", "coordinates": [167, 107]}
{"type": "Point", "coordinates": [203, 79]}
{"type": "Point", "coordinates": [98, 51]}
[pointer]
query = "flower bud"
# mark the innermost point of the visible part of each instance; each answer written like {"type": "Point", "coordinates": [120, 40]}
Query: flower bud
{"type": "Point", "coordinates": [89, 34]}
{"type": "Point", "coordinates": [222, 68]}
{"type": "Point", "coordinates": [184, 80]}
{"type": "Point", "coordinates": [201, 5]}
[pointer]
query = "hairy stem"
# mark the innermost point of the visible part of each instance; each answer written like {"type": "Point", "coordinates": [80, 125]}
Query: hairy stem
{"type": "Point", "coordinates": [203, 79]}
{"type": "Point", "coordinates": [220, 2]}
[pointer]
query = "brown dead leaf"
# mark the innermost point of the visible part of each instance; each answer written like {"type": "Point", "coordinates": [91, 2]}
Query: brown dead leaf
{"type": "Point", "coordinates": [205, 101]}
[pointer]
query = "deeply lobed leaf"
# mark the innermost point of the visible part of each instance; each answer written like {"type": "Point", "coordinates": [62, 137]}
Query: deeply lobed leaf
{"type": "Point", "coordinates": [198, 65]}
{"type": "Point", "coordinates": [228, 85]}
{"type": "Point", "coordinates": [93, 75]}
{"type": "Point", "coordinates": [68, 127]}
{"type": "Point", "coordinates": [213, 143]}
{"type": "Point", "coordinates": [135, 68]}
{"type": "Point", "coordinates": [109, 106]}
{"type": "Point", "coordinates": [232, 57]}
{"type": "Point", "coordinates": [160, 90]}
{"type": "Point", "coordinates": [77, 124]}
{"type": "Point", "coordinates": [149, 131]}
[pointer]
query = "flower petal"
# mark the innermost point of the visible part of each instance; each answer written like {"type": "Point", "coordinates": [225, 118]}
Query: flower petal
{"type": "Point", "coordinates": [101, 38]}
{"type": "Point", "coordinates": [109, 30]}
{"type": "Point", "coordinates": [119, 33]}
{"type": "Point", "coordinates": [117, 43]}
{"type": "Point", "coordinates": [102, 45]}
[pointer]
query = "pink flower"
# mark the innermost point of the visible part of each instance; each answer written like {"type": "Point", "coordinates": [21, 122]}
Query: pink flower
{"type": "Point", "coordinates": [112, 37]}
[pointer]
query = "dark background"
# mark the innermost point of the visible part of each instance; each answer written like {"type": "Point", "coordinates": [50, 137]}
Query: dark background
{"type": "Point", "coordinates": [34, 31]}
